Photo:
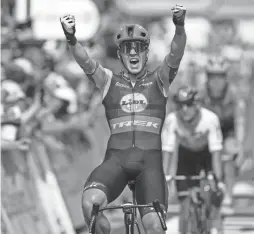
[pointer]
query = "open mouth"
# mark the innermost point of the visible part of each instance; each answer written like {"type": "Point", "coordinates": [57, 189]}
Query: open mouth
{"type": "Point", "coordinates": [134, 61]}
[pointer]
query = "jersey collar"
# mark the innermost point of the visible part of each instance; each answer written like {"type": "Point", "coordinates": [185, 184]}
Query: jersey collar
{"type": "Point", "coordinates": [126, 76]}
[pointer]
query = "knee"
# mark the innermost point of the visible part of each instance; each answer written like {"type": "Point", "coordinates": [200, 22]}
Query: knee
{"type": "Point", "coordinates": [90, 197]}
{"type": "Point", "coordinates": [152, 223]}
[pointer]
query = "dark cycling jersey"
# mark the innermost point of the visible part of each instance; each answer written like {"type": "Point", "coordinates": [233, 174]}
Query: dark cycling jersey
{"type": "Point", "coordinates": [224, 108]}
{"type": "Point", "coordinates": [135, 112]}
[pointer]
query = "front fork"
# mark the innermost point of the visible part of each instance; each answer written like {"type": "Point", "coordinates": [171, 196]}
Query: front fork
{"type": "Point", "coordinates": [129, 220]}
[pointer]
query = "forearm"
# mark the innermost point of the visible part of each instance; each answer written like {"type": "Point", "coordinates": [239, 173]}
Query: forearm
{"type": "Point", "coordinates": [82, 58]}
{"type": "Point", "coordinates": [167, 162]}
{"type": "Point", "coordinates": [177, 47]}
{"type": "Point", "coordinates": [217, 164]}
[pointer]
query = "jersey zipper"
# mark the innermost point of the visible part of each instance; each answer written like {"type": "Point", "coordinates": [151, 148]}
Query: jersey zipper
{"type": "Point", "coordinates": [133, 117]}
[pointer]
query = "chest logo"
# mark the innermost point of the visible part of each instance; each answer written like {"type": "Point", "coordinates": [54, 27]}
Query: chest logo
{"type": "Point", "coordinates": [134, 102]}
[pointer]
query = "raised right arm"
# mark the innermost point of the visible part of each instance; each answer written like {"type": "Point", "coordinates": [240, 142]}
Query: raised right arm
{"type": "Point", "coordinates": [94, 71]}
{"type": "Point", "coordinates": [82, 58]}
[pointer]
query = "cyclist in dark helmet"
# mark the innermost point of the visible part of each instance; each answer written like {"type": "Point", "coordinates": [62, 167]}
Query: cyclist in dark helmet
{"type": "Point", "coordinates": [219, 96]}
{"type": "Point", "coordinates": [135, 105]}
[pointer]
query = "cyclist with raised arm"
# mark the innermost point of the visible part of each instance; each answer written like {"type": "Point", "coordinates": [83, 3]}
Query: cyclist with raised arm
{"type": "Point", "coordinates": [135, 106]}
{"type": "Point", "coordinates": [218, 96]}
{"type": "Point", "coordinates": [195, 134]}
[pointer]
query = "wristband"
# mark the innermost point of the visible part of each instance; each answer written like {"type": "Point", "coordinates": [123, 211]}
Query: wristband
{"type": "Point", "coordinates": [71, 39]}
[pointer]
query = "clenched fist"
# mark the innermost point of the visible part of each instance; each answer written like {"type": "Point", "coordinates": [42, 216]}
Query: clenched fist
{"type": "Point", "coordinates": [178, 15]}
{"type": "Point", "coordinates": [68, 24]}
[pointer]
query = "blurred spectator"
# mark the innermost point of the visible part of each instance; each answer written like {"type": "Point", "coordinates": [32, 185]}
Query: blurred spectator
{"type": "Point", "coordinates": [159, 44]}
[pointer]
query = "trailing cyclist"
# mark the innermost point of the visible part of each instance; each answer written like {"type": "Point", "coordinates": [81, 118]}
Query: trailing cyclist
{"type": "Point", "coordinates": [195, 134]}
{"type": "Point", "coordinates": [218, 96]}
{"type": "Point", "coordinates": [135, 106]}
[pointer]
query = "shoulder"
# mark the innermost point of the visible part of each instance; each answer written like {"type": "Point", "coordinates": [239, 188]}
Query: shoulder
{"type": "Point", "coordinates": [208, 116]}
{"type": "Point", "coordinates": [116, 77]}
{"type": "Point", "coordinates": [108, 72]}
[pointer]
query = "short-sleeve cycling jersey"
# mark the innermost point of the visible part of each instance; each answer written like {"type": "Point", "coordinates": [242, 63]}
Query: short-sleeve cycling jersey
{"type": "Point", "coordinates": [206, 131]}
{"type": "Point", "coordinates": [135, 114]}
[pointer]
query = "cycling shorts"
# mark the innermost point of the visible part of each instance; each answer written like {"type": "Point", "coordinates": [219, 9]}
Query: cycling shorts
{"type": "Point", "coordinates": [121, 166]}
{"type": "Point", "coordinates": [191, 163]}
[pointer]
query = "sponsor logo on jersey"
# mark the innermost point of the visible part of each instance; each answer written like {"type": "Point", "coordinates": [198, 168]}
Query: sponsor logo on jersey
{"type": "Point", "coordinates": [134, 102]}
{"type": "Point", "coordinates": [130, 123]}
{"type": "Point", "coordinates": [140, 123]}
{"type": "Point", "coordinates": [122, 85]}
{"type": "Point", "coordinates": [146, 84]}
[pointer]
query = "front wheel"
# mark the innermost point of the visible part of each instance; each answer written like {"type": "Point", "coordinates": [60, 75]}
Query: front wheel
{"type": "Point", "coordinates": [197, 222]}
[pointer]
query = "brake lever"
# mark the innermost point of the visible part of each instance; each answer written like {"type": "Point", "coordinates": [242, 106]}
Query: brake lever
{"type": "Point", "coordinates": [94, 213]}
{"type": "Point", "coordinates": [160, 213]}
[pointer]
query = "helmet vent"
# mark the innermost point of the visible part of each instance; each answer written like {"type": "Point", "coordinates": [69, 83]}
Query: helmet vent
{"type": "Point", "coordinates": [130, 31]}
{"type": "Point", "coordinates": [143, 34]}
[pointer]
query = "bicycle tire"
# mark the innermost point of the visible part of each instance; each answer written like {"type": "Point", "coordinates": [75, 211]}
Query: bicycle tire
{"type": "Point", "coordinates": [193, 219]}
{"type": "Point", "coordinates": [199, 224]}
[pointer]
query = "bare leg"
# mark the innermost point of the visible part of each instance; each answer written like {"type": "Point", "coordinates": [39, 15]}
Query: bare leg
{"type": "Point", "coordinates": [90, 197]}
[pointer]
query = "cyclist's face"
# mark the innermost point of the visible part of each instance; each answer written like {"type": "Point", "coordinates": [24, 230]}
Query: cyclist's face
{"type": "Point", "coordinates": [187, 111]}
{"type": "Point", "coordinates": [134, 56]}
{"type": "Point", "coordinates": [217, 84]}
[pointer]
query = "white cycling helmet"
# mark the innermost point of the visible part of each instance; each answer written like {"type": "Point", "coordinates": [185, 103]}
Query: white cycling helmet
{"type": "Point", "coordinates": [25, 64]}
{"type": "Point", "coordinates": [11, 92]}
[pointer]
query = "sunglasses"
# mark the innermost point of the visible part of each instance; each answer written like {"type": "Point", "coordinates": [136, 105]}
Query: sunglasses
{"type": "Point", "coordinates": [127, 46]}
{"type": "Point", "coordinates": [188, 104]}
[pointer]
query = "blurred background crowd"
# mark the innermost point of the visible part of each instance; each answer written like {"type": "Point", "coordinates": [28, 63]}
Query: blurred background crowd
{"type": "Point", "coordinates": [53, 129]}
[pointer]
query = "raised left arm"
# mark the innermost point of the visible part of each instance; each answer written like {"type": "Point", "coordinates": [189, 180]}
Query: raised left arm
{"type": "Point", "coordinates": [170, 65]}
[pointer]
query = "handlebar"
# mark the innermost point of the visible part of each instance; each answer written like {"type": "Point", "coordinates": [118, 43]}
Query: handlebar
{"type": "Point", "coordinates": [209, 176]}
{"type": "Point", "coordinates": [155, 205]}
{"type": "Point", "coordinates": [160, 214]}
{"type": "Point", "coordinates": [182, 177]}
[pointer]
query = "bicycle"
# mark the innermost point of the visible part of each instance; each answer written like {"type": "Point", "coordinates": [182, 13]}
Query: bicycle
{"type": "Point", "coordinates": [130, 213]}
{"type": "Point", "coordinates": [199, 211]}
